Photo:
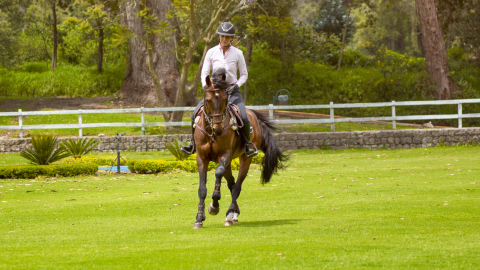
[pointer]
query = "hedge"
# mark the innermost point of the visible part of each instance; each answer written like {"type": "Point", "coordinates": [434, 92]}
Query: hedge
{"type": "Point", "coordinates": [99, 161]}
{"type": "Point", "coordinates": [32, 171]}
{"type": "Point", "coordinates": [143, 166]}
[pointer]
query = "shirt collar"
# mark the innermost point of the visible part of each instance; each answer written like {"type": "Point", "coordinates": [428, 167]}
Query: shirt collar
{"type": "Point", "coordinates": [220, 47]}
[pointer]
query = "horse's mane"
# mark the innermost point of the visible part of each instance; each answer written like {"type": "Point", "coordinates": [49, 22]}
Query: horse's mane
{"type": "Point", "coordinates": [218, 79]}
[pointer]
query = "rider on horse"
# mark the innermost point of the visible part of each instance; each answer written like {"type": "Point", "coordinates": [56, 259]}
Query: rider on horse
{"type": "Point", "coordinates": [224, 55]}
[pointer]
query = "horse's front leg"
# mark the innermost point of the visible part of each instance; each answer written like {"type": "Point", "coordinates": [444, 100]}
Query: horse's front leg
{"type": "Point", "coordinates": [202, 191]}
{"type": "Point", "coordinates": [233, 211]}
{"type": "Point", "coordinates": [214, 207]}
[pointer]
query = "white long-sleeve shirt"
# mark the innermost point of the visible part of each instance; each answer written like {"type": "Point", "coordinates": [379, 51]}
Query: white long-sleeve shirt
{"type": "Point", "coordinates": [232, 61]}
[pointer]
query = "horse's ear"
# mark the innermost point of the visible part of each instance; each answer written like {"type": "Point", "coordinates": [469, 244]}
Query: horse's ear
{"type": "Point", "coordinates": [224, 77]}
{"type": "Point", "coordinates": [207, 80]}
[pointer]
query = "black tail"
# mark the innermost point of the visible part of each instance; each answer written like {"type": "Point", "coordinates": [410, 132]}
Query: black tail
{"type": "Point", "coordinates": [274, 158]}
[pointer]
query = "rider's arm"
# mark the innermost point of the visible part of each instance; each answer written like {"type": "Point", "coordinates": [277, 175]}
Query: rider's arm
{"type": "Point", "coordinates": [207, 66]}
{"type": "Point", "coordinates": [242, 68]}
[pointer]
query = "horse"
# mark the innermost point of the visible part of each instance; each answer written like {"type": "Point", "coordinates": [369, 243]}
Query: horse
{"type": "Point", "coordinates": [217, 140]}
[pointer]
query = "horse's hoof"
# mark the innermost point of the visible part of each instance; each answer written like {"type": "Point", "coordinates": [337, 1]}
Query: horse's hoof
{"type": "Point", "coordinates": [198, 225]}
{"type": "Point", "coordinates": [212, 210]}
{"type": "Point", "coordinates": [228, 223]}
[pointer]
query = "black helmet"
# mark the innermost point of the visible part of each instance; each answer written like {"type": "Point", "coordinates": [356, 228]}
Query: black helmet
{"type": "Point", "coordinates": [226, 29]}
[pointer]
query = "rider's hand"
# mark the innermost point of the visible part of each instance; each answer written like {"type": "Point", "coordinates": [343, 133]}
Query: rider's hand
{"type": "Point", "coordinates": [232, 89]}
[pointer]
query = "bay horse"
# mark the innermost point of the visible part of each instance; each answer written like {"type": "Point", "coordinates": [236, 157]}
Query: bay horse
{"type": "Point", "coordinates": [218, 140]}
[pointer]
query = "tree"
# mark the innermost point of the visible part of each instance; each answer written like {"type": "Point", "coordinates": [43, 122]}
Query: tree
{"type": "Point", "coordinates": [6, 41]}
{"type": "Point", "coordinates": [388, 23]}
{"type": "Point", "coordinates": [54, 4]}
{"type": "Point", "coordinates": [156, 44]}
{"type": "Point", "coordinates": [434, 46]}
{"type": "Point", "coordinates": [332, 20]}
{"type": "Point", "coordinates": [100, 18]}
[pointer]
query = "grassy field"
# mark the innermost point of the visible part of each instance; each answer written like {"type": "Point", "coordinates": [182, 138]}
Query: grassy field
{"type": "Point", "coordinates": [352, 209]}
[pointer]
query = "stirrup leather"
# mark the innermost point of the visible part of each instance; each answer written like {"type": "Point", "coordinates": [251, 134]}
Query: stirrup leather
{"type": "Point", "coordinates": [247, 147]}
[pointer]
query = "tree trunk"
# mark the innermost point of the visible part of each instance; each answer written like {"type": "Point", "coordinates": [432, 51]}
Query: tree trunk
{"type": "Point", "coordinates": [434, 46]}
{"type": "Point", "coordinates": [344, 36]}
{"type": "Point", "coordinates": [138, 86]}
{"type": "Point", "coordinates": [100, 50]}
{"type": "Point", "coordinates": [248, 59]}
{"type": "Point", "coordinates": [54, 54]}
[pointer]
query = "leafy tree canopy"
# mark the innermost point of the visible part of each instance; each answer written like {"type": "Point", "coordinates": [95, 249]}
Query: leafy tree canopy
{"type": "Point", "coordinates": [331, 20]}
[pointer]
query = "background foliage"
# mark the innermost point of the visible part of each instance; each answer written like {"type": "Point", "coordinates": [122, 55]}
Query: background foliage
{"type": "Point", "coordinates": [283, 42]}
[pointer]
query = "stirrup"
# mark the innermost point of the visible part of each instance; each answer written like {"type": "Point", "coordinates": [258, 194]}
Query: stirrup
{"type": "Point", "coordinates": [255, 152]}
{"type": "Point", "coordinates": [188, 149]}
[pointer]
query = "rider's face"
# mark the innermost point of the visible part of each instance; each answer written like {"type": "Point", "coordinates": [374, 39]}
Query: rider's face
{"type": "Point", "coordinates": [225, 40]}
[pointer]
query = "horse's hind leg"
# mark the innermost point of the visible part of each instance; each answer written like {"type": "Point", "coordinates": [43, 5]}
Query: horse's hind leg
{"type": "Point", "coordinates": [202, 192]}
{"type": "Point", "coordinates": [214, 207]}
{"type": "Point", "coordinates": [234, 211]}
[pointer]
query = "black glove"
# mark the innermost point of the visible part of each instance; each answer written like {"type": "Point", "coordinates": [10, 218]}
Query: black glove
{"type": "Point", "coordinates": [232, 89]}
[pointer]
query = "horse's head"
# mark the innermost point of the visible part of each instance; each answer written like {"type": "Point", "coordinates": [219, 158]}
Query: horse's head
{"type": "Point", "coordinates": [215, 99]}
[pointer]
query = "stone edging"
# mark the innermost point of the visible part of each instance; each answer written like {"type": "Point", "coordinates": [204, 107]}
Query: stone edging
{"type": "Point", "coordinates": [391, 139]}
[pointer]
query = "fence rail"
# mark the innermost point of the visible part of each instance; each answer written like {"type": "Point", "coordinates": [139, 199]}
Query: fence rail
{"type": "Point", "coordinates": [271, 108]}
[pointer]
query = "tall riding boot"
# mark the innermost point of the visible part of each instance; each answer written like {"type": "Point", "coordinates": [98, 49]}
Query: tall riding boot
{"type": "Point", "coordinates": [250, 148]}
{"type": "Point", "coordinates": [189, 146]}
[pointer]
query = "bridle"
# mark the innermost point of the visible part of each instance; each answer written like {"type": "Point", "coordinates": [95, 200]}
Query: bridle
{"type": "Point", "coordinates": [208, 116]}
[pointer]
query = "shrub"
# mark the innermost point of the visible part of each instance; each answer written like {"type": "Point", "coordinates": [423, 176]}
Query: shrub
{"type": "Point", "coordinates": [79, 147]}
{"type": "Point", "coordinates": [99, 161]}
{"type": "Point", "coordinates": [174, 149]}
{"type": "Point", "coordinates": [32, 171]}
{"type": "Point", "coordinates": [66, 80]}
{"type": "Point", "coordinates": [143, 166]}
{"type": "Point", "coordinates": [43, 152]}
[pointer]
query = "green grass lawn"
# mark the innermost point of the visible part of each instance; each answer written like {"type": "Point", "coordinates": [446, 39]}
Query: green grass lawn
{"type": "Point", "coordinates": [352, 209]}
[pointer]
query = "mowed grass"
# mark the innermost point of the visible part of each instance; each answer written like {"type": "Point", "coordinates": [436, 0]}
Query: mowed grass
{"type": "Point", "coordinates": [352, 209]}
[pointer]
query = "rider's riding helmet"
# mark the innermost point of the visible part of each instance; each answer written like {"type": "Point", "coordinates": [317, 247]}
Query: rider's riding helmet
{"type": "Point", "coordinates": [226, 29]}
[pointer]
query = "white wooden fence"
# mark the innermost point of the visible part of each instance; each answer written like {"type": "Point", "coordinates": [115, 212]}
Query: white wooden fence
{"type": "Point", "coordinates": [332, 120]}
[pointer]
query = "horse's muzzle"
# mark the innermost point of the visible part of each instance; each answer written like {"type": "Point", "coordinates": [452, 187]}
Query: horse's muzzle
{"type": "Point", "coordinates": [218, 130]}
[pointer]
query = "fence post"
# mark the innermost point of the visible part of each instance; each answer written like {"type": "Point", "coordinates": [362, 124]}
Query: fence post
{"type": "Point", "coordinates": [143, 120]}
{"type": "Point", "coordinates": [394, 123]}
{"type": "Point", "coordinates": [270, 111]}
{"type": "Point", "coordinates": [20, 122]}
{"type": "Point", "coordinates": [459, 115]}
{"type": "Point", "coordinates": [80, 130]}
{"type": "Point", "coordinates": [332, 118]}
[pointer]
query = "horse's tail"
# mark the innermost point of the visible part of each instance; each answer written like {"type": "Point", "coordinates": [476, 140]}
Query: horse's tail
{"type": "Point", "coordinates": [274, 158]}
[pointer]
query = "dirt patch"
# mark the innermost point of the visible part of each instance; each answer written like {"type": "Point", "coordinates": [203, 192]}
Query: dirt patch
{"type": "Point", "coordinates": [38, 104]}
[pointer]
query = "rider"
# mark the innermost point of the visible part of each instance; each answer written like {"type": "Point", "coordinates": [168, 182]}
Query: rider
{"type": "Point", "coordinates": [224, 55]}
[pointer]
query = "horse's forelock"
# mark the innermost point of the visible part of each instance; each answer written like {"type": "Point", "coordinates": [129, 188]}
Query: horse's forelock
{"type": "Point", "coordinates": [218, 79]}
{"type": "Point", "coordinates": [220, 83]}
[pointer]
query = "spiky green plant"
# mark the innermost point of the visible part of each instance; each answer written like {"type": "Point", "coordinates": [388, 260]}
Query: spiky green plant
{"type": "Point", "coordinates": [175, 150]}
{"type": "Point", "coordinates": [43, 151]}
{"type": "Point", "coordinates": [79, 147]}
